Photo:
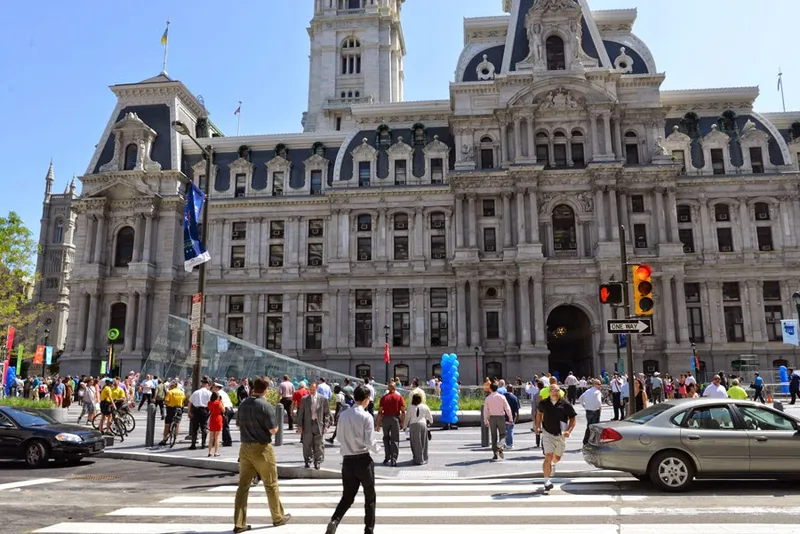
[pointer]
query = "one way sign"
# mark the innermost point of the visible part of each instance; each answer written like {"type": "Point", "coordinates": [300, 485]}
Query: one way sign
{"type": "Point", "coordinates": [633, 326]}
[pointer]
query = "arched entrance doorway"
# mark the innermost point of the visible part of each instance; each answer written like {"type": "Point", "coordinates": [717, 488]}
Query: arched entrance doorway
{"type": "Point", "coordinates": [569, 340]}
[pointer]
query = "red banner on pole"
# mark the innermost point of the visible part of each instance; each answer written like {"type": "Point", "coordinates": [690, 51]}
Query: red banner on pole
{"type": "Point", "coordinates": [386, 357]}
{"type": "Point", "coordinates": [38, 358]}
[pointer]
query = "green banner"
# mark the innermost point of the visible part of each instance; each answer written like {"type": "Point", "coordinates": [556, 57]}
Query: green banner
{"type": "Point", "coordinates": [20, 352]}
{"type": "Point", "coordinates": [103, 367]}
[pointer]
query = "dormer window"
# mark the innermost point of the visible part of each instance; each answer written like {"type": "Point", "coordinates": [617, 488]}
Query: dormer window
{"type": "Point", "coordinates": [757, 159]}
{"type": "Point", "coordinates": [131, 155]}
{"type": "Point", "coordinates": [384, 136]}
{"type": "Point", "coordinates": [437, 171]}
{"type": "Point", "coordinates": [556, 59]}
{"type": "Point", "coordinates": [727, 122]}
{"type": "Point", "coordinates": [419, 135]}
{"type": "Point", "coordinates": [364, 173]}
{"type": "Point", "coordinates": [718, 160]}
{"type": "Point", "coordinates": [690, 124]}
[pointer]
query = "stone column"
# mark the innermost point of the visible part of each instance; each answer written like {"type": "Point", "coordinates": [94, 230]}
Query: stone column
{"type": "Point", "coordinates": [680, 304]}
{"type": "Point", "coordinates": [600, 211]}
{"type": "Point", "coordinates": [381, 234]}
{"type": "Point", "coordinates": [568, 150]}
{"type": "Point", "coordinates": [623, 208]}
{"type": "Point", "coordinates": [343, 231]}
{"type": "Point", "coordinates": [539, 335]}
{"type": "Point", "coordinates": [141, 329]}
{"type": "Point", "coordinates": [786, 222]}
{"type": "Point", "coordinates": [667, 310]}
{"type": "Point", "coordinates": [330, 235]}
{"type": "Point", "coordinates": [534, 211]}
{"type": "Point", "coordinates": [474, 312]}
{"type": "Point", "coordinates": [461, 313]}
{"type": "Point", "coordinates": [521, 236]}
{"type": "Point", "coordinates": [419, 235]}
{"type": "Point", "coordinates": [471, 221]}
{"type": "Point", "coordinates": [223, 227]}
{"type": "Point", "coordinates": [89, 224]}
{"type": "Point", "coordinates": [148, 238]}
{"type": "Point", "coordinates": [504, 142]}
{"type": "Point", "coordinates": [83, 322]}
{"type": "Point", "coordinates": [612, 200]}
{"type": "Point", "coordinates": [531, 139]}
{"type": "Point", "coordinates": [551, 153]}
{"type": "Point", "coordinates": [91, 327]}
{"type": "Point", "coordinates": [715, 311]}
{"type": "Point", "coordinates": [525, 312]}
{"type": "Point", "coordinates": [130, 318]}
{"type": "Point", "coordinates": [618, 138]}
{"type": "Point", "coordinates": [660, 219]}
{"type": "Point", "coordinates": [510, 322]}
{"type": "Point", "coordinates": [756, 312]}
{"type": "Point", "coordinates": [137, 239]}
{"type": "Point", "coordinates": [672, 213]}
{"type": "Point", "coordinates": [746, 224]}
{"type": "Point", "coordinates": [506, 219]}
{"type": "Point", "coordinates": [705, 223]}
{"type": "Point", "coordinates": [595, 140]}
{"type": "Point", "coordinates": [607, 133]}
{"type": "Point", "coordinates": [517, 140]}
{"type": "Point", "coordinates": [459, 221]}
{"type": "Point", "coordinates": [100, 239]}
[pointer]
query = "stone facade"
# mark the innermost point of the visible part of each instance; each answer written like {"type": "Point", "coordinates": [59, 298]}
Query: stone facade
{"type": "Point", "coordinates": [480, 225]}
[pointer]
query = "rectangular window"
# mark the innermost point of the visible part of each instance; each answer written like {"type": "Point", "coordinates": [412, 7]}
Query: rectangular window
{"type": "Point", "coordinates": [560, 155]}
{"type": "Point", "coordinates": [757, 160]}
{"type": "Point", "coordinates": [316, 228]}
{"type": "Point", "coordinates": [734, 324]}
{"type": "Point", "coordinates": [725, 239]}
{"type": "Point", "coordinates": [543, 154]}
{"type": "Point", "coordinates": [717, 161]}
{"type": "Point", "coordinates": [772, 290]}
{"type": "Point", "coordinates": [438, 298]}
{"type": "Point", "coordinates": [722, 212]}
{"type": "Point", "coordinates": [692, 291]}
{"type": "Point", "coordinates": [314, 333]}
{"type": "Point", "coordinates": [400, 172]}
{"type": "Point", "coordinates": [401, 248]}
{"type": "Point", "coordinates": [684, 213]}
{"type": "Point", "coordinates": [492, 325]}
{"type": "Point", "coordinates": [235, 326]}
{"type": "Point", "coordinates": [363, 299]}
{"type": "Point", "coordinates": [640, 235]}
{"type": "Point", "coordinates": [316, 182]}
{"type": "Point", "coordinates": [489, 240]}
{"type": "Point", "coordinates": [364, 173]}
{"type": "Point", "coordinates": [764, 234]}
{"type": "Point", "coordinates": [201, 182]}
{"type": "Point", "coordinates": [487, 158]}
{"type": "Point", "coordinates": [274, 333]}
{"type": "Point", "coordinates": [578, 159]}
{"type": "Point", "coordinates": [731, 292]}
{"type": "Point", "coordinates": [364, 248]}
{"type": "Point", "coordinates": [400, 298]}
{"type": "Point", "coordinates": [488, 208]}
{"type": "Point", "coordinates": [773, 315]}
{"type": "Point", "coordinates": [695, 318]}
{"type": "Point", "coordinates": [236, 304]}
{"type": "Point", "coordinates": [439, 329]}
{"type": "Point", "coordinates": [401, 329]}
{"type": "Point", "coordinates": [637, 203]}
{"type": "Point", "coordinates": [315, 254]}
{"type": "Point", "coordinates": [241, 185]}
{"type": "Point", "coordinates": [276, 229]}
{"type": "Point", "coordinates": [238, 231]}
{"type": "Point", "coordinates": [314, 302]}
{"type": "Point", "coordinates": [632, 154]}
{"type": "Point", "coordinates": [237, 257]}
{"type": "Point", "coordinates": [274, 303]}
{"type": "Point", "coordinates": [679, 156]}
{"type": "Point", "coordinates": [277, 183]}
{"type": "Point", "coordinates": [437, 171]}
{"type": "Point", "coordinates": [276, 255]}
{"type": "Point", "coordinates": [338, 124]}
{"type": "Point", "coordinates": [363, 329]}
{"type": "Point", "coordinates": [687, 238]}
{"type": "Point", "coordinates": [438, 247]}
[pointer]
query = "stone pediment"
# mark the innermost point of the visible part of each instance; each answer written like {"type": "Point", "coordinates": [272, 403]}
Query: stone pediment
{"type": "Point", "coordinates": [750, 132]}
{"type": "Point", "coordinates": [400, 149]}
{"type": "Point", "coordinates": [678, 137]}
{"type": "Point", "coordinates": [279, 163]}
{"type": "Point", "coordinates": [241, 166]}
{"type": "Point", "coordinates": [132, 136]}
{"type": "Point", "coordinates": [316, 162]}
{"type": "Point", "coordinates": [119, 189]}
{"type": "Point", "coordinates": [560, 97]}
{"type": "Point", "coordinates": [364, 151]}
{"type": "Point", "coordinates": [715, 136]}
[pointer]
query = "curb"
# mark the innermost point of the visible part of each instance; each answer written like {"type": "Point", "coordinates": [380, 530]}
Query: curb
{"type": "Point", "coordinates": [593, 473]}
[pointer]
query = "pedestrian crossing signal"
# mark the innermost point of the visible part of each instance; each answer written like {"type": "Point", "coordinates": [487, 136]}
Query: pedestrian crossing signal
{"type": "Point", "coordinates": [643, 303]}
{"type": "Point", "coordinates": [611, 293]}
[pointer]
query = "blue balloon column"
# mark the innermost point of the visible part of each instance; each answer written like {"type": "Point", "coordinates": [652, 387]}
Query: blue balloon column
{"type": "Point", "coordinates": [784, 378]}
{"type": "Point", "coordinates": [449, 389]}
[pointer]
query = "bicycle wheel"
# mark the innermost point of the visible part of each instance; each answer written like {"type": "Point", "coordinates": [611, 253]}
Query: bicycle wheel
{"type": "Point", "coordinates": [119, 429]}
{"type": "Point", "coordinates": [173, 436]}
{"type": "Point", "coordinates": [96, 422]}
{"type": "Point", "coordinates": [129, 421]}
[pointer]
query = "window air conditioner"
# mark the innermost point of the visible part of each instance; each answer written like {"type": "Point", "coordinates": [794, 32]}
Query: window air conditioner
{"type": "Point", "coordinates": [276, 263]}
{"type": "Point", "coordinates": [573, 246]}
{"type": "Point", "coordinates": [438, 256]}
{"type": "Point", "coordinates": [765, 248]}
{"type": "Point", "coordinates": [238, 330]}
{"type": "Point", "coordinates": [683, 218]}
{"type": "Point", "coordinates": [722, 217]}
{"type": "Point", "coordinates": [725, 249]}
{"type": "Point", "coordinates": [315, 262]}
{"type": "Point", "coordinates": [437, 224]}
{"type": "Point", "coordinates": [400, 226]}
{"type": "Point", "coordinates": [770, 320]}
{"type": "Point", "coordinates": [277, 193]}
{"type": "Point", "coordinates": [363, 227]}
{"type": "Point", "coordinates": [688, 250]}
{"type": "Point", "coordinates": [406, 326]}
{"type": "Point", "coordinates": [362, 302]}
{"type": "Point", "coordinates": [316, 231]}
{"type": "Point", "coordinates": [434, 342]}
{"type": "Point", "coordinates": [557, 246]}
{"type": "Point", "coordinates": [236, 307]}
{"type": "Point", "coordinates": [739, 320]}
{"type": "Point", "coordinates": [277, 233]}
{"type": "Point", "coordinates": [235, 235]}
{"type": "Point", "coordinates": [274, 307]}
{"type": "Point", "coordinates": [278, 329]}
{"type": "Point", "coordinates": [762, 216]}
{"type": "Point", "coordinates": [363, 257]}
{"type": "Point", "coordinates": [318, 328]}
{"type": "Point", "coordinates": [238, 264]}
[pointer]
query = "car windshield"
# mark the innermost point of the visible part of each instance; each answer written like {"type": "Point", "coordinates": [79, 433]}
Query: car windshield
{"type": "Point", "coordinates": [29, 417]}
{"type": "Point", "coordinates": [647, 414]}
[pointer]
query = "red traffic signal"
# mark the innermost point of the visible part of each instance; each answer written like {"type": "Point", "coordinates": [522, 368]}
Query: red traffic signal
{"type": "Point", "coordinates": [611, 293]}
{"type": "Point", "coordinates": [642, 290]}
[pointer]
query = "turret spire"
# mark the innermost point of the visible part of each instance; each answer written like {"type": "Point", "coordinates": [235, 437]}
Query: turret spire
{"type": "Point", "coordinates": [49, 179]}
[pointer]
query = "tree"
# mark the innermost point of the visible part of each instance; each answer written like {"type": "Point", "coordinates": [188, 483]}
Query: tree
{"type": "Point", "coordinates": [17, 274]}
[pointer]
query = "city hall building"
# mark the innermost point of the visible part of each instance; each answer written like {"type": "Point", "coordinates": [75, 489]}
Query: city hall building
{"type": "Point", "coordinates": [480, 225]}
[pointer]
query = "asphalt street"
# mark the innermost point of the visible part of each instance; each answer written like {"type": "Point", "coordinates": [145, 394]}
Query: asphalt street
{"type": "Point", "coordinates": [103, 495]}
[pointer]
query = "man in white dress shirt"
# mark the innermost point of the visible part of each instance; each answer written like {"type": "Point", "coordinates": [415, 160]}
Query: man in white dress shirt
{"type": "Point", "coordinates": [716, 390]}
{"type": "Point", "coordinates": [592, 402]}
{"type": "Point", "coordinates": [572, 387]}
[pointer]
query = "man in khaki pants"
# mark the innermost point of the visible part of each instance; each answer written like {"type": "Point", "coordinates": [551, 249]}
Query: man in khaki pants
{"type": "Point", "coordinates": [257, 425]}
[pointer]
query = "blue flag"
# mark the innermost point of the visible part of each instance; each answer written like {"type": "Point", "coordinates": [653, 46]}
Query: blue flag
{"type": "Point", "coordinates": [789, 328]}
{"type": "Point", "coordinates": [623, 341]}
{"type": "Point", "coordinates": [194, 251]}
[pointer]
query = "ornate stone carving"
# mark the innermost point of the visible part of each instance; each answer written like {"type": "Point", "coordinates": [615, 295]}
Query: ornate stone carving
{"type": "Point", "coordinates": [560, 100]}
{"type": "Point", "coordinates": [555, 5]}
{"type": "Point", "coordinates": [751, 132]}
{"type": "Point", "coordinates": [364, 151]}
{"type": "Point", "coordinates": [399, 150]}
{"type": "Point", "coordinates": [585, 201]}
{"type": "Point", "coordinates": [544, 201]}
{"type": "Point", "coordinates": [467, 153]}
{"type": "Point", "coordinates": [715, 136]}
{"type": "Point", "coordinates": [678, 137]}
{"type": "Point", "coordinates": [624, 62]}
{"type": "Point", "coordinates": [132, 130]}
{"type": "Point", "coordinates": [534, 30]}
{"type": "Point", "coordinates": [485, 69]}
{"type": "Point", "coordinates": [658, 148]}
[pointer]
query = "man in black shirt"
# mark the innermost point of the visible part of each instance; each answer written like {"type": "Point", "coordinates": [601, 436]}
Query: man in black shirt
{"type": "Point", "coordinates": [552, 412]}
{"type": "Point", "coordinates": [257, 425]}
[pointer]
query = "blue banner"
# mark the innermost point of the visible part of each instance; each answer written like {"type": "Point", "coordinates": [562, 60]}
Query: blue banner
{"type": "Point", "coordinates": [789, 329]}
{"type": "Point", "coordinates": [48, 355]}
{"type": "Point", "coordinates": [623, 341]}
{"type": "Point", "coordinates": [194, 251]}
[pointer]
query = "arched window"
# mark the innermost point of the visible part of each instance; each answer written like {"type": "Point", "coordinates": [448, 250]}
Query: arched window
{"type": "Point", "coordinates": [351, 56]}
{"type": "Point", "coordinates": [124, 252]}
{"type": "Point", "coordinates": [117, 320]}
{"type": "Point", "coordinates": [400, 221]}
{"type": "Point", "coordinates": [401, 372]}
{"type": "Point", "coordinates": [555, 53]}
{"type": "Point", "coordinates": [727, 122]}
{"type": "Point", "coordinates": [131, 155]}
{"type": "Point", "coordinates": [494, 370]}
{"type": "Point", "coordinates": [578, 153]}
{"type": "Point", "coordinates": [487, 153]}
{"type": "Point", "coordinates": [363, 372]}
{"type": "Point", "coordinates": [762, 211]}
{"type": "Point", "coordinates": [564, 234]}
{"type": "Point", "coordinates": [58, 232]}
{"type": "Point", "coordinates": [690, 124]}
{"type": "Point", "coordinates": [560, 149]}
{"type": "Point", "coordinates": [794, 131]}
{"type": "Point", "coordinates": [542, 148]}
{"type": "Point", "coordinates": [631, 148]}
{"type": "Point", "coordinates": [364, 223]}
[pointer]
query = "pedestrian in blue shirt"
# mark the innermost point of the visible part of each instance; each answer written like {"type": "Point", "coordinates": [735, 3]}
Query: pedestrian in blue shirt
{"type": "Point", "coordinates": [513, 403]}
{"type": "Point", "coordinates": [758, 386]}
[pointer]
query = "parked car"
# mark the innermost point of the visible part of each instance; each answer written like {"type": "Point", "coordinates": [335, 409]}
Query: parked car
{"type": "Point", "coordinates": [675, 442]}
{"type": "Point", "coordinates": [30, 435]}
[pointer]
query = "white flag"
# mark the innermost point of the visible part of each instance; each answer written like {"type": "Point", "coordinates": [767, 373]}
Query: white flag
{"type": "Point", "coordinates": [789, 329]}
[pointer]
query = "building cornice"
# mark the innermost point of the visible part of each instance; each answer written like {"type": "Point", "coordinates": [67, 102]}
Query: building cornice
{"type": "Point", "coordinates": [266, 142]}
{"type": "Point", "coordinates": [160, 89]}
{"type": "Point", "coordinates": [482, 29]}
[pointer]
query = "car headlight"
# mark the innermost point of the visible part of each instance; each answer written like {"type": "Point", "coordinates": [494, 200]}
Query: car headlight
{"type": "Point", "coordinates": [72, 438]}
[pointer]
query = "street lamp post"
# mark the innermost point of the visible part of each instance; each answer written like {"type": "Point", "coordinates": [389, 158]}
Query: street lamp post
{"type": "Point", "coordinates": [477, 372]}
{"type": "Point", "coordinates": [44, 362]}
{"type": "Point", "coordinates": [694, 359]}
{"type": "Point", "coordinates": [386, 341]}
{"type": "Point", "coordinates": [208, 154]}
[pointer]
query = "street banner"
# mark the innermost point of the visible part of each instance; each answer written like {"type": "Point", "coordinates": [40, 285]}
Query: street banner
{"type": "Point", "coordinates": [20, 352]}
{"type": "Point", "coordinates": [103, 367]}
{"type": "Point", "coordinates": [194, 251]}
{"type": "Point", "coordinates": [48, 355]}
{"type": "Point", "coordinates": [789, 329]}
{"type": "Point", "coordinates": [386, 357]}
{"type": "Point", "coordinates": [38, 357]}
{"type": "Point", "coordinates": [7, 353]}
{"type": "Point", "coordinates": [623, 341]}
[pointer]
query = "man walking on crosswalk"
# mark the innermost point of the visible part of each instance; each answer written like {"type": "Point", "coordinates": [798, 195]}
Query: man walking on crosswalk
{"type": "Point", "coordinates": [554, 411]}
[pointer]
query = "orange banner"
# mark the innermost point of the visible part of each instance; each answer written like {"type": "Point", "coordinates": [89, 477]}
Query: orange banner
{"type": "Point", "coordinates": [38, 358]}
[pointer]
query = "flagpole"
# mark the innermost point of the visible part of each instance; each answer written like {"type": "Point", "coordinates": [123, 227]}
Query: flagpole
{"type": "Point", "coordinates": [780, 84]}
{"type": "Point", "coordinates": [239, 118]}
{"type": "Point", "coordinates": [166, 48]}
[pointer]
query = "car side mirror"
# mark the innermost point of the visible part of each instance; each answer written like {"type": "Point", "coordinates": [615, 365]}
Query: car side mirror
{"type": "Point", "coordinates": [6, 424]}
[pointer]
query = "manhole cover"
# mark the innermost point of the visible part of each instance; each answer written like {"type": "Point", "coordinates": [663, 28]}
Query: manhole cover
{"type": "Point", "coordinates": [427, 474]}
{"type": "Point", "coordinates": [95, 477]}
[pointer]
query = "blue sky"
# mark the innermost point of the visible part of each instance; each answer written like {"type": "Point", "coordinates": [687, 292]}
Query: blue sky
{"type": "Point", "coordinates": [60, 58]}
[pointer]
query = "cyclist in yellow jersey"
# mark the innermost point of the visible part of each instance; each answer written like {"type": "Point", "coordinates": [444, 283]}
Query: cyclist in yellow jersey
{"type": "Point", "coordinates": [106, 405]}
{"type": "Point", "coordinates": [174, 401]}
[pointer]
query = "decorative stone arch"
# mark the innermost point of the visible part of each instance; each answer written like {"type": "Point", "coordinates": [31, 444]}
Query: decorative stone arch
{"type": "Point", "coordinates": [125, 237]}
{"type": "Point", "coordinates": [582, 303]}
{"type": "Point", "coordinates": [549, 206]}
{"type": "Point", "coordinates": [591, 342]}
{"type": "Point", "coordinates": [538, 90]}
{"type": "Point", "coordinates": [132, 130]}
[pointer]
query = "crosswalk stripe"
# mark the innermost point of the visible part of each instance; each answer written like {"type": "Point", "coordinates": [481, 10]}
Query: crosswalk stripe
{"type": "Point", "coordinates": [718, 528]}
{"type": "Point", "coordinates": [414, 499]}
{"type": "Point", "coordinates": [448, 482]}
{"type": "Point", "coordinates": [438, 488]}
{"type": "Point", "coordinates": [25, 483]}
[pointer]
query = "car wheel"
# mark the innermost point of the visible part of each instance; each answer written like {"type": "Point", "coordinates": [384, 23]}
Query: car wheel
{"type": "Point", "coordinates": [672, 471]}
{"type": "Point", "coordinates": [36, 454]}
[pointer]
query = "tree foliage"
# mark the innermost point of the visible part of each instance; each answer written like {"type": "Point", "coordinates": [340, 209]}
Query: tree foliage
{"type": "Point", "coordinates": [17, 273]}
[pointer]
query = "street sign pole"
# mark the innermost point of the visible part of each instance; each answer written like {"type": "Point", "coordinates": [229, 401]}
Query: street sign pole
{"type": "Point", "coordinates": [626, 302]}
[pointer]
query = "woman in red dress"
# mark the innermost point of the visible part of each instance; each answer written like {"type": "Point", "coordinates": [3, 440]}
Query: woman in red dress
{"type": "Point", "coordinates": [215, 411]}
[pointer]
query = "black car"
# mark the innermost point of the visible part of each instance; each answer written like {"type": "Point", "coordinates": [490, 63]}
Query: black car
{"type": "Point", "coordinates": [30, 435]}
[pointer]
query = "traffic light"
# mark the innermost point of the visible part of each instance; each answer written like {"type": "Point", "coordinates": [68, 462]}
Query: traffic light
{"type": "Point", "coordinates": [642, 290]}
{"type": "Point", "coordinates": [611, 293]}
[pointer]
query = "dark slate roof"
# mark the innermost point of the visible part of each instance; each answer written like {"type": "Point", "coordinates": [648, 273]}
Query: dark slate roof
{"type": "Point", "coordinates": [639, 65]}
{"type": "Point", "coordinates": [156, 117]}
{"type": "Point", "coordinates": [493, 55]}
{"type": "Point", "coordinates": [159, 78]}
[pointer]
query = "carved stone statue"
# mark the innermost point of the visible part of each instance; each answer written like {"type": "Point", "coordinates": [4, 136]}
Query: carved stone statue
{"type": "Point", "coordinates": [623, 63]}
{"type": "Point", "coordinates": [534, 31]}
{"type": "Point", "coordinates": [658, 148]}
{"type": "Point", "coordinates": [559, 99]}
{"type": "Point", "coordinates": [467, 153]}
{"type": "Point", "coordinates": [486, 69]}
{"type": "Point", "coordinates": [748, 127]}
{"type": "Point", "coordinates": [555, 5]}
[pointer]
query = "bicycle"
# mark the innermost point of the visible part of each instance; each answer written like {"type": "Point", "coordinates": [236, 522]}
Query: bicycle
{"type": "Point", "coordinates": [172, 436]}
{"type": "Point", "coordinates": [118, 425]}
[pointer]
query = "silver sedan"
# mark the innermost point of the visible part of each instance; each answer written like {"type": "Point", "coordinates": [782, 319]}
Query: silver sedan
{"type": "Point", "coordinates": [674, 442]}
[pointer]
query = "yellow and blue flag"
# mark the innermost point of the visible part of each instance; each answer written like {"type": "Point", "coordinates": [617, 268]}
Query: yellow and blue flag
{"type": "Point", "coordinates": [165, 37]}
